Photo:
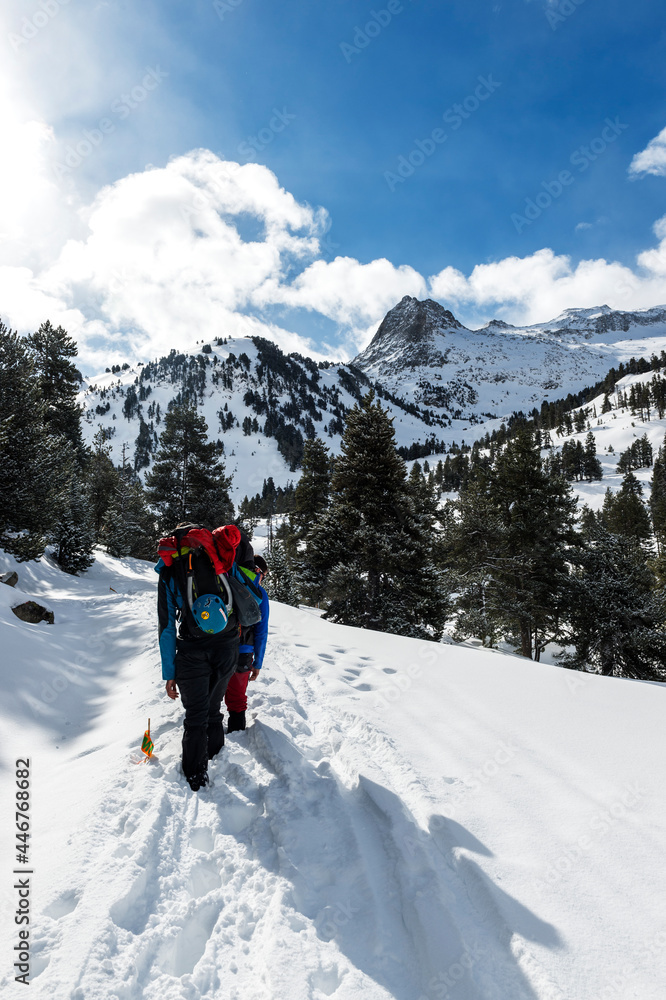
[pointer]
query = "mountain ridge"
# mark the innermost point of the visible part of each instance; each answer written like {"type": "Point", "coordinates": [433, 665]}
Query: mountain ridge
{"type": "Point", "coordinates": [421, 350]}
{"type": "Point", "coordinates": [440, 381]}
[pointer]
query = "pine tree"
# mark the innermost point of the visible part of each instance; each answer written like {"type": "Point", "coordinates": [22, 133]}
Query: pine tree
{"type": "Point", "coordinates": [130, 529]}
{"type": "Point", "coordinates": [74, 534]}
{"type": "Point", "coordinates": [187, 481]}
{"type": "Point", "coordinates": [313, 489]}
{"type": "Point", "coordinates": [58, 382]}
{"type": "Point", "coordinates": [101, 479]}
{"type": "Point", "coordinates": [369, 557]}
{"type": "Point", "coordinates": [658, 499]}
{"type": "Point", "coordinates": [515, 526]}
{"type": "Point", "coordinates": [615, 618]}
{"type": "Point", "coordinates": [280, 582]}
{"type": "Point", "coordinates": [624, 512]}
{"type": "Point", "coordinates": [591, 464]}
{"type": "Point", "coordinates": [471, 568]}
{"type": "Point", "coordinates": [143, 446]}
{"type": "Point", "coordinates": [33, 475]}
{"type": "Point", "coordinates": [424, 494]}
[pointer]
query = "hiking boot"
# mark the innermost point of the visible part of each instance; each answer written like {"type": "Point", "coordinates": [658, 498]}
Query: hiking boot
{"type": "Point", "coordinates": [236, 722]}
{"type": "Point", "coordinates": [198, 781]}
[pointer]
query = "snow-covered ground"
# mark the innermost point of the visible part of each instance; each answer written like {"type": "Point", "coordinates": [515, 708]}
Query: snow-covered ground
{"type": "Point", "coordinates": [401, 819]}
{"type": "Point", "coordinates": [618, 430]}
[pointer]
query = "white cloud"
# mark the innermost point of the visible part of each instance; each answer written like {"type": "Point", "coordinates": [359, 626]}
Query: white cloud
{"type": "Point", "coordinates": [352, 294]}
{"type": "Point", "coordinates": [652, 159]}
{"type": "Point", "coordinates": [524, 290]}
{"type": "Point", "coordinates": [163, 264]}
{"type": "Point", "coordinates": [580, 226]}
{"type": "Point", "coordinates": [204, 247]}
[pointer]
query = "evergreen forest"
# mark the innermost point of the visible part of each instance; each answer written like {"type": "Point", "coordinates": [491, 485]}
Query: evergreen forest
{"type": "Point", "coordinates": [490, 544]}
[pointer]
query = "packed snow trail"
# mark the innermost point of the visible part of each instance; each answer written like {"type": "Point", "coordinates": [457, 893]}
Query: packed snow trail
{"type": "Point", "coordinates": [400, 820]}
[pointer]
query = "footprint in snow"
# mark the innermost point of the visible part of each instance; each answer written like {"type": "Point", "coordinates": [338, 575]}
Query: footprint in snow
{"type": "Point", "coordinates": [131, 911]}
{"type": "Point", "coordinates": [327, 981]}
{"type": "Point", "coordinates": [179, 955]}
{"type": "Point", "coordinates": [63, 905]}
{"type": "Point", "coordinates": [202, 839]}
{"type": "Point", "coordinates": [203, 878]}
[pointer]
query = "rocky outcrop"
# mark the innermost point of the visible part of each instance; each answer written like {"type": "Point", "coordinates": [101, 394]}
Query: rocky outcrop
{"type": "Point", "coordinates": [33, 613]}
{"type": "Point", "coordinates": [11, 579]}
{"type": "Point", "coordinates": [407, 331]}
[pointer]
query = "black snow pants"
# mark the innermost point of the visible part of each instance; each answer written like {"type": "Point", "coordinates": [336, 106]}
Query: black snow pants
{"type": "Point", "coordinates": [202, 675]}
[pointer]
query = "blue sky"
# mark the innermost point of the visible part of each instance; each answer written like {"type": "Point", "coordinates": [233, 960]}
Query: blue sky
{"type": "Point", "coordinates": [337, 95]}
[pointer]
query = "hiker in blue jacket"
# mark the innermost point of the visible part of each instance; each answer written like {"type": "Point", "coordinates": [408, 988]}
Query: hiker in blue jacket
{"type": "Point", "coordinates": [196, 663]}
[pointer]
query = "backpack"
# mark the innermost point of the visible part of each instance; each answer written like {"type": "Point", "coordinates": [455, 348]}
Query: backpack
{"type": "Point", "coordinates": [246, 597]}
{"type": "Point", "coordinates": [211, 586]}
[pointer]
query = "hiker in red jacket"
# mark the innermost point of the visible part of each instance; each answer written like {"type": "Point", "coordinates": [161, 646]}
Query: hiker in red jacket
{"type": "Point", "coordinates": [251, 650]}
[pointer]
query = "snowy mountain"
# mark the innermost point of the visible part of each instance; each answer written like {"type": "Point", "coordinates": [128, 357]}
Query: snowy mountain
{"type": "Point", "coordinates": [615, 431]}
{"type": "Point", "coordinates": [422, 352]}
{"type": "Point", "coordinates": [440, 381]}
{"type": "Point", "coordinates": [401, 819]}
{"type": "Point", "coordinates": [260, 403]}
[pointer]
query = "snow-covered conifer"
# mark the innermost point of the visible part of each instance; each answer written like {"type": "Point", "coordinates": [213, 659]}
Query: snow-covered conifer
{"type": "Point", "coordinates": [312, 492]}
{"type": "Point", "coordinates": [369, 556]}
{"type": "Point", "coordinates": [58, 380]}
{"type": "Point", "coordinates": [624, 512]}
{"type": "Point", "coordinates": [74, 534]}
{"type": "Point", "coordinates": [280, 583]}
{"type": "Point", "coordinates": [510, 549]}
{"type": "Point", "coordinates": [187, 481]}
{"type": "Point", "coordinates": [32, 471]}
{"type": "Point", "coordinates": [615, 617]}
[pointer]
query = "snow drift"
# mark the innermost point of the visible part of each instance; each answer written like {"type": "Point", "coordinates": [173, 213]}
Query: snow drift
{"type": "Point", "coordinates": [401, 819]}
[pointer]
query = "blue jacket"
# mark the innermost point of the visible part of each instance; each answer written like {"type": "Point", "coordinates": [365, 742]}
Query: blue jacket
{"type": "Point", "coordinates": [170, 601]}
{"type": "Point", "coordinates": [260, 630]}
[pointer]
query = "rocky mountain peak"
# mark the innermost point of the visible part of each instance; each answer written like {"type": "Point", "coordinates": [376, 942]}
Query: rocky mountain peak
{"type": "Point", "coordinates": [409, 331]}
{"type": "Point", "coordinates": [414, 321]}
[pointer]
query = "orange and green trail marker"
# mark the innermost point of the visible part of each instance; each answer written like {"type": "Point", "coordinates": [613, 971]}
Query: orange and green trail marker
{"type": "Point", "coordinates": [147, 746]}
